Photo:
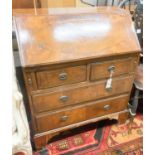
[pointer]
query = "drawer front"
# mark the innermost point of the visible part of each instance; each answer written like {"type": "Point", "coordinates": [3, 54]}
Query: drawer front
{"type": "Point", "coordinates": [83, 113]}
{"type": "Point", "coordinates": [53, 100]}
{"type": "Point", "coordinates": [57, 77]}
{"type": "Point", "coordinates": [101, 70]}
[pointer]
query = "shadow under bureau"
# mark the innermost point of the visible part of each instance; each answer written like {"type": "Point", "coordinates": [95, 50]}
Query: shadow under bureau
{"type": "Point", "coordinates": [78, 66]}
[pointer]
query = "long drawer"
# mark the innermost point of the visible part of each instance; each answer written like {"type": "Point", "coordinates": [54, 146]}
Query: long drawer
{"type": "Point", "coordinates": [81, 113]}
{"type": "Point", "coordinates": [78, 94]}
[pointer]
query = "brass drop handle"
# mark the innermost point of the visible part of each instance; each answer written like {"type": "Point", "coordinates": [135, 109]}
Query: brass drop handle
{"type": "Point", "coordinates": [64, 98]}
{"type": "Point", "coordinates": [106, 107]}
{"type": "Point", "coordinates": [64, 118]}
{"type": "Point", "coordinates": [63, 76]}
{"type": "Point", "coordinates": [111, 70]}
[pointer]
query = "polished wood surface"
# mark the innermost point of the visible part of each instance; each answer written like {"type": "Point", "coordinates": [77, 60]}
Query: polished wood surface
{"type": "Point", "coordinates": [19, 4]}
{"type": "Point", "coordinates": [100, 70]}
{"type": "Point", "coordinates": [81, 113]}
{"type": "Point", "coordinates": [61, 76]}
{"type": "Point", "coordinates": [57, 3]}
{"type": "Point", "coordinates": [91, 33]}
{"type": "Point", "coordinates": [78, 94]}
{"type": "Point", "coordinates": [78, 65]}
{"type": "Point", "coordinates": [26, 4]}
{"type": "Point", "coordinates": [46, 137]}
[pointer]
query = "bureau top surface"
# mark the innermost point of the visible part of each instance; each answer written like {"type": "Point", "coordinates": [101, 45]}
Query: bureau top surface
{"type": "Point", "coordinates": [50, 36]}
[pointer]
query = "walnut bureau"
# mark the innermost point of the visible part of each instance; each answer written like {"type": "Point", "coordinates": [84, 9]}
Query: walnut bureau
{"type": "Point", "coordinates": [78, 66]}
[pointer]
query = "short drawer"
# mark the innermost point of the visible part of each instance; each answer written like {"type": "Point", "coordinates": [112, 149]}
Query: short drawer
{"type": "Point", "coordinates": [101, 70]}
{"type": "Point", "coordinates": [79, 94]}
{"type": "Point", "coordinates": [63, 76]}
{"type": "Point", "coordinates": [81, 113]}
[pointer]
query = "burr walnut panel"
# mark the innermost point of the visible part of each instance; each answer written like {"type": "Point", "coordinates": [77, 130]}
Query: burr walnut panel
{"type": "Point", "coordinates": [81, 113]}
{"type": "Point", "coordinates": [62, 35]}
{"type": "Point", "coordinates": [78, 94]}
{"type": "Point", "coordinates": [57, 77]}
{"type": "Point", "coordinates": [100, 70]}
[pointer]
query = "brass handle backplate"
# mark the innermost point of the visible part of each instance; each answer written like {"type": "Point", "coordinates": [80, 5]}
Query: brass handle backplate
{"type": "Point", "coordinates": [111, 68]}
{"type": "Point", "coordinates": [63, 76]}
{"type": "Point", "coordinates": [64, 98]}
{"type": "Point", "coordinates": [106, 107]}
{"type": "Point", "coordinates": [64, 118]}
